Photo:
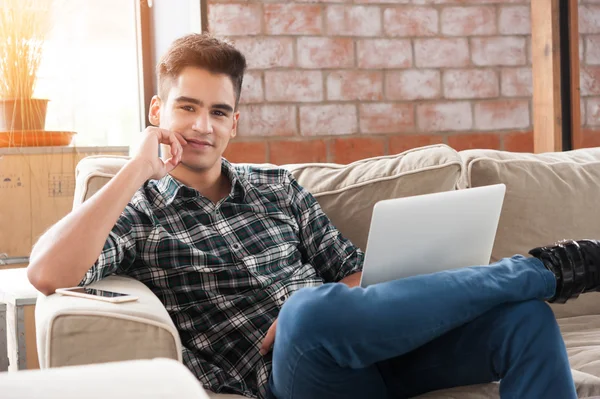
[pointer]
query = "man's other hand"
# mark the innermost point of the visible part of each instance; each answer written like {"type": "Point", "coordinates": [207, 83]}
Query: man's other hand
{"type": "Point", "coordinates": [269, 340]}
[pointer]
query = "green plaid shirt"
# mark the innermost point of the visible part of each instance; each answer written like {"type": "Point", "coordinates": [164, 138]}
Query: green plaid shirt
{"type": "Point", "coordinates": [224, 270]}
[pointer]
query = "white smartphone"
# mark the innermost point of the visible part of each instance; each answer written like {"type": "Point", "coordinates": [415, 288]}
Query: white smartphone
{"type": "Point", "coordinates": [100, 295]}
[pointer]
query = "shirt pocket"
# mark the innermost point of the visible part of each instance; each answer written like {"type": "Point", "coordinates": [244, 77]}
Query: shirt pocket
{"type": "Point", "coordinates": [275, 264]}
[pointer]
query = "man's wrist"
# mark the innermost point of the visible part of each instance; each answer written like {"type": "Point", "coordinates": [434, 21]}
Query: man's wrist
{"type": "Point", "coordinates": [352, 280]}
{"type": "Point", "coordinates": [143, 167]}
{"type": "Point", "coordinates": [141, 170]}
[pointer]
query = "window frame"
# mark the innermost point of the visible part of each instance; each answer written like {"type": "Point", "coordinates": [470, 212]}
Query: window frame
{"type": "Point", "coordinates": [151, 23]}
{"type": "Point", "coordinates": [144, 44]}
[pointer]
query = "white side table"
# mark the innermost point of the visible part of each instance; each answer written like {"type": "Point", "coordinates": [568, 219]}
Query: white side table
{"type": "Point", "coordinates": [19, 298]}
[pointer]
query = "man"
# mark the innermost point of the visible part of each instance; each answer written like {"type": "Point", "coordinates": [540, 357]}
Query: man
{"type": "Point", "coordinates": [244, 259]}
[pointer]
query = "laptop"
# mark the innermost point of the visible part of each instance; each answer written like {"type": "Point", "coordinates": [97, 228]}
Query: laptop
{"type": "Point", "coordinates": [433, 232]}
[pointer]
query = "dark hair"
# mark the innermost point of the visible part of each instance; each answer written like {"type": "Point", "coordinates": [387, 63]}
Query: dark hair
{"type": "Point", "coordinates": [201, 51]}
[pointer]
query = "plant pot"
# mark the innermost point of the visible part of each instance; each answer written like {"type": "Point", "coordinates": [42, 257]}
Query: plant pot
{"type": "Point", "coordinates": [23, 114]}
{"type": "Point", "coordinates": [35, 138]}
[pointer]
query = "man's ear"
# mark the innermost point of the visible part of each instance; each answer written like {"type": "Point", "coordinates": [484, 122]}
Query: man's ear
{"type": "Point", "coordinates": [154, 112]}
{"type": "Point", "coordinates": [236, 118]}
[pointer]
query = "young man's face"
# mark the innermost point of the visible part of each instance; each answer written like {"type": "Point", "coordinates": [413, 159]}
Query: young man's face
{"type": "Point", "coordinates": [200, 106]}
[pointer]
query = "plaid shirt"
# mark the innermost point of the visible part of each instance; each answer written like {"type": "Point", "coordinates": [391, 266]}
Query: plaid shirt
{"type": "Point", "coordinates": [223, 271]}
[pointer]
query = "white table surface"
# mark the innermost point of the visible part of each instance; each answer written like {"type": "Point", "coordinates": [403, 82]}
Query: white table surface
{"type": "Point", "coordinates": [15, 287]}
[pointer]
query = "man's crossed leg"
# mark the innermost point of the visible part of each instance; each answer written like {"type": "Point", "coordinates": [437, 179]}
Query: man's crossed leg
{"type": "Point", "coordinates": [406, 337]}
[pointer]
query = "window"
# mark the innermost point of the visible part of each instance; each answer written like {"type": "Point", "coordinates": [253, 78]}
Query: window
{"type": "Point", "coordinates": [90, 72]}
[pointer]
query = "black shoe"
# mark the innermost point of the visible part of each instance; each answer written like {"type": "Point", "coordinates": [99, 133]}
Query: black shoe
{"type": "Point", "coordinates": [576, 265]}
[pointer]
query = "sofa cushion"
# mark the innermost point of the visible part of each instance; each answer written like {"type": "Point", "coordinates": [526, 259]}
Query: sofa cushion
{"type": "Point", "coordinates": [549, 197]}
{"type": "Point", "coordinates": [582, 339]}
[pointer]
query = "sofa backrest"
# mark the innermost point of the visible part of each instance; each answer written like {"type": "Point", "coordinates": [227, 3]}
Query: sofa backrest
{"type": "Point", "coordinates": [347, 193]}
{"type": "Point", "coordinates": [549, 197]}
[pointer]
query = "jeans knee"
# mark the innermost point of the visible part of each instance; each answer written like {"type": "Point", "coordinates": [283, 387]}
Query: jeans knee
{"type": "Point", "coordinates": [309, 312]}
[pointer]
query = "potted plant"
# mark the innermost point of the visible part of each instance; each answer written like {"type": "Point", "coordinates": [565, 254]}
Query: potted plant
{"type": "Point", "coordinates": [24, 28]}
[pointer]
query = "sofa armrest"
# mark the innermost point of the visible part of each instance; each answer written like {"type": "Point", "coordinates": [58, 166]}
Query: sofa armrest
{"type": "Point", "coordinates": [140, 379]}
{"type": "Point", "coordinates": [74, 331]}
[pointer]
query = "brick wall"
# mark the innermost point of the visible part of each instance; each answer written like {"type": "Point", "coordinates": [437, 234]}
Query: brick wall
{"type": "Point", "coordinates": [341, 80]}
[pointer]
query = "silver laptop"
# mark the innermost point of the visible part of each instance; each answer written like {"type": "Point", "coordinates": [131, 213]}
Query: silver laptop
{"type": "Point", "coordinates": [433, 232]}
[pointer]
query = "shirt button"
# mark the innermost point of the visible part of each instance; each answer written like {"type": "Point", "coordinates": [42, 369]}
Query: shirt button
{"type": "Point", "coordinates": [236, 247]}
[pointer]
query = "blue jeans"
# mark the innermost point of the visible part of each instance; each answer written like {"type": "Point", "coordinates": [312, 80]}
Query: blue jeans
{"type": "Point", "coordinates": [406, 337]}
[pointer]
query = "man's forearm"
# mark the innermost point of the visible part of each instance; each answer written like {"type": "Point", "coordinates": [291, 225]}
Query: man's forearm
{"type": "Point", "coordinates": [352, 280]}
{"type": "Point", "coordinates": [70, 247]}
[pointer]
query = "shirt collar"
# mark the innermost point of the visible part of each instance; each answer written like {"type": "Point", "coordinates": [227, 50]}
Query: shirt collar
{"type": "Point", "coordinates": [170, 188]}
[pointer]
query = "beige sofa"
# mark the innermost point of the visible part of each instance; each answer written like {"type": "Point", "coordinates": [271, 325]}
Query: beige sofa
{"type": "Point", "coordinates": [549, 197]}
